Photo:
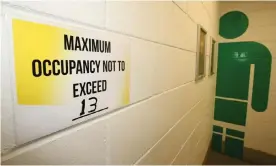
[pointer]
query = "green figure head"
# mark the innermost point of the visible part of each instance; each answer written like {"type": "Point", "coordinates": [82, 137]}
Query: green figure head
{"type": "Point", "coordinates": [233, 24]}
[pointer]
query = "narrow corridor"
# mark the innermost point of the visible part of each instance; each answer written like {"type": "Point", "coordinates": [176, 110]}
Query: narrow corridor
{"type": "Point", "coordinates": [138, 82]}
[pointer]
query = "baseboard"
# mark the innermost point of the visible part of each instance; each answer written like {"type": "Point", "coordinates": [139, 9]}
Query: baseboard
{"type": "Point", "coordinates": [258, 157]}
{"type": "Point", "coordinates": [207, 152]}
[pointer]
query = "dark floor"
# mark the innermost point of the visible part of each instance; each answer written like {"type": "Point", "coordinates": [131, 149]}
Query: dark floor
{"type": "Point", "coordinates": [214, 158]}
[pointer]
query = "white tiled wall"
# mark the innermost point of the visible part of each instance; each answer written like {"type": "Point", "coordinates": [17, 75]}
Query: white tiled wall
{"type": "Point", "coordinates": [153, 63]}
{"type": "Point", "coordinates": [260, 127]}
{"type": "Point", "coordinates": [89, 12]}
{"type": "Point", "coordinates": [162, 22]}
{"type": "Point", "coordinates": [171, 122]}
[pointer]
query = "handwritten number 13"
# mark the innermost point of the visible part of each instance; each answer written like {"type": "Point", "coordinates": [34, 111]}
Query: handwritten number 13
{"type": "Point", "coordinates": [93, 105]}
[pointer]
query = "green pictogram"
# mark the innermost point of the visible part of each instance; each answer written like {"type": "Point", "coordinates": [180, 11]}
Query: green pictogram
{"type": "Point", "coordinates": [233, 78]}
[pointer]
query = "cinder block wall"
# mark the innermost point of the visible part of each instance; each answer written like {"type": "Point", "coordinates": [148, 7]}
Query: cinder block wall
{"type": "Point", "coordinates": [171, 123]}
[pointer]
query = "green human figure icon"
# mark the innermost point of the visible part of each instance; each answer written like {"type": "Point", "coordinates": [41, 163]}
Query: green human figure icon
{"type": "Point", "coordinates": [233, 75]}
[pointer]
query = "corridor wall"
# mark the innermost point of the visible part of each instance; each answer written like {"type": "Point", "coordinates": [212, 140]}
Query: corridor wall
{"type": "Point", "coordinates": [169, 116]}
{"type": "Point", "coordinates": [255, 124]}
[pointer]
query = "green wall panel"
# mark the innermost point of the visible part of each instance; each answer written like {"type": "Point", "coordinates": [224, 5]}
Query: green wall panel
{"type": "Point", "coordinates": [217, 142]}
{"type": "Point", "coordinates": [217, 129]}
{"type": "Point", "coordinates": [234, 147]}
{"type": "Point", "coordinates": [230, 111]}
{"type": "Point", "coordinates": [235, 133]}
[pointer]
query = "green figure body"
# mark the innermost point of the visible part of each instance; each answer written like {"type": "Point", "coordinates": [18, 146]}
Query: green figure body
{"type": "Point", "coordinates": [234, 71]}
{"type": "Point", "coordinates": [233, 74]}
